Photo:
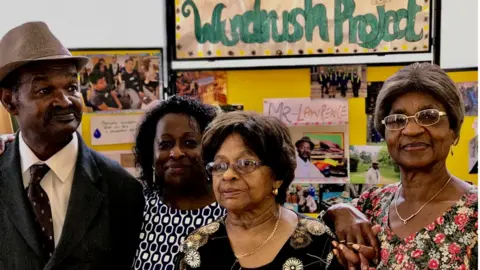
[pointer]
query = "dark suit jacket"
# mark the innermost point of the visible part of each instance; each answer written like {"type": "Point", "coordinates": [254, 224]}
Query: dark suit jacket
{"type": "Point", "coordinates": [102, 224]}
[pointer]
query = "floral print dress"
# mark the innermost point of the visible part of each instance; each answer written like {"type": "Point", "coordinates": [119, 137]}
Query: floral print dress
{"type": "Point", "coordinates": [450, 242]}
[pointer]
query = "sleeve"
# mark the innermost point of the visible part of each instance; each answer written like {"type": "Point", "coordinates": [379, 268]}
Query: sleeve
{"type": "Point", "coordinates": [97, 100]}
{"type": "Point", "coordinates": [365, 203]}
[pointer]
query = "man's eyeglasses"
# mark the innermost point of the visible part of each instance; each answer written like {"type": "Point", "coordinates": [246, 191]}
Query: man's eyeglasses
{"type": "Point", "coordinates": [423, 118]}
{"type": "Point", "coordinates": [242, 166]}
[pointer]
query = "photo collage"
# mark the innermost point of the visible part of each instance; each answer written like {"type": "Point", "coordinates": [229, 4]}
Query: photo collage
{"type": "Point", "coordinates": [329, 169]}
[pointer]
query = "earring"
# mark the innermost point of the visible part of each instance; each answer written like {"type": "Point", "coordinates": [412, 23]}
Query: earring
{"type": "Point", "coordinates": [154, 174]}
{"type": "Point", "coordinates": [275, 191]}
{"type": "Point", "coordinates": [451, 151]}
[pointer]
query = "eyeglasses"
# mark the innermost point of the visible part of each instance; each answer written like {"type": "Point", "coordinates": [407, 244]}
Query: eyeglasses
{"type": "Point", "coordinates": [423, 118]}
{"type": "Point", "coordinates": [242, 166]}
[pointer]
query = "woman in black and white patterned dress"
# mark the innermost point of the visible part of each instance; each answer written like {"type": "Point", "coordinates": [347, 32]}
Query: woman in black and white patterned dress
{"type": "Point", "coordinates": [178, 194]}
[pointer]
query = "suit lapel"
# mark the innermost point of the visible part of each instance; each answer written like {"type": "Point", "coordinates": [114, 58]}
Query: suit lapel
{"type": "Point", "coordinates": [13, 196]}
{"type": "Point", "coordinates": [83, 206]}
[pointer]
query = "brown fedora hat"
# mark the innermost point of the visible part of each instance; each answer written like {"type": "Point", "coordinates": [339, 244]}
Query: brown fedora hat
{"type": "Point", "coordinates": [32, 42]}
{"type": "Point", "coordinates": [305, 139]}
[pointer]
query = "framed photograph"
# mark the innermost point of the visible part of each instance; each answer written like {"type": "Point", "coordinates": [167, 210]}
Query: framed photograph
{"type": "Point", "coordinates": [123, 79]}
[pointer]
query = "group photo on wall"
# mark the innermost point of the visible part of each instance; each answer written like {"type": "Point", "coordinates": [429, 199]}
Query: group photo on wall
{"type": "Point", "coordinates": [121, 80]}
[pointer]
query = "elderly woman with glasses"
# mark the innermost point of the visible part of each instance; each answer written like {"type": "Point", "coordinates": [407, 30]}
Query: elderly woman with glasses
{"type": "Point", "coordinates": [429, 219]}
{"type": "Point", "coordinates": [251, 159]}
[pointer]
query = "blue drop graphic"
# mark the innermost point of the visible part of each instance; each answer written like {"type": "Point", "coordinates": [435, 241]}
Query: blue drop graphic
{"type": "Point", "coordinates": [97, 134]}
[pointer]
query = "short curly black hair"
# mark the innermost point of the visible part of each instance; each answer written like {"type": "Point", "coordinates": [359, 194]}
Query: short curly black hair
{"type": "Point", "coordinates": [203, 114]}
{"type": "Point", "coordinates": [266, 136]}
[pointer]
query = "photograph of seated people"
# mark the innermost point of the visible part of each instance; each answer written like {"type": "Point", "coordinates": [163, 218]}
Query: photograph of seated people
{"type": "Point", "coordinates": [135, 84]}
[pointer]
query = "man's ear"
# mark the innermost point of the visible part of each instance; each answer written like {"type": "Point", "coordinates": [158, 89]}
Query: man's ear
{"type": "Point", "coordinates": [7, 99]}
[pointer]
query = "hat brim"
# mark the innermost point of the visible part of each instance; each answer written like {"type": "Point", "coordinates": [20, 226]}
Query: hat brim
{"type": "Point", "coordinates": [80, 63]}
{"type": "Point", "coordinates": [301, 141]}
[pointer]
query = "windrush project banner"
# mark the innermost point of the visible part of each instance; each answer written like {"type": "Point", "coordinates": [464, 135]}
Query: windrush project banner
{"type": "Point", "coordinates": [262, 28]}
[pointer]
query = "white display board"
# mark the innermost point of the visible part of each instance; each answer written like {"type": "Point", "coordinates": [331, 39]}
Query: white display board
{"type": "Point", "coordinates": [459, 37]}
{"type": "Point", "coordinates": [113, 129]}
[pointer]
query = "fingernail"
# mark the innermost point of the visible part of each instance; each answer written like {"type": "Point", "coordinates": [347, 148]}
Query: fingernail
{"type": "Point", "coordinates": [356, 246]}
{"type": "Point", "coordinates": [334, 243]}
{"type": "Point", "coordinates": [335, 252]}
{"type": "Point", "coordinates": [351, 268]}
{"type": "Point", "coordinates": [341, 247]}
{"type": "Point", "coordinates": [364, 267]}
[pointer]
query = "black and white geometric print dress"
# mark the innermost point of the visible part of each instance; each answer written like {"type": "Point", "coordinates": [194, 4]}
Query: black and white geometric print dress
{"type": "Point", "coordinates": [164, 229]}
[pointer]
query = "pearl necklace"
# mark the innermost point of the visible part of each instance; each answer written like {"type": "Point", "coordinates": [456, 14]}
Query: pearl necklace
{"type": "Point", "coordinates": [264, 242]}
{"type": "Point", "coordinates": [397, 194]}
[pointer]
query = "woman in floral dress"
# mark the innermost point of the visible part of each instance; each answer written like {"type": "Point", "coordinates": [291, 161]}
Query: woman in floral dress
{"type": "Point", "coordinates": [429, 219]}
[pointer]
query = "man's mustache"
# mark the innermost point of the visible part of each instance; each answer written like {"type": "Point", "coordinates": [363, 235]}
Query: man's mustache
{"type": "Point", "coordinates": [56, 111]}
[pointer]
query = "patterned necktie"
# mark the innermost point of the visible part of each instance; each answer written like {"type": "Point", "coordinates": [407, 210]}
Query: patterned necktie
{"type": "Point", "coordinates": [41, 207]}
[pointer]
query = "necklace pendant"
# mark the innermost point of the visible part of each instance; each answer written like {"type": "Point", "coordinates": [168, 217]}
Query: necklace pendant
{"type": "Point", "coordinates": [404, 222]}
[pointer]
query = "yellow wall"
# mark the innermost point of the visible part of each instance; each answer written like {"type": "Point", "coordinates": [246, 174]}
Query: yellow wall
{"type": "Point", "coordinates": [5, 121]}
{"type": "Point", "coordinates": [250, 87]}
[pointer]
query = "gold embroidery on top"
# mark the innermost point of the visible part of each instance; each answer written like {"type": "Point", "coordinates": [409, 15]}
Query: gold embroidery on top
{"type": "Point", "coordinates": [293, 264]}
{"type": "Point", "coordinates": [300, 239]}
{"type": "Point", "coordinates": [209, 229]}
{"type": "Point", "coordinates": [315, 227]}
{"type": "Point", "coordinates": [193, 242]}
{"type": "Point", "coordinates": [192, 258]}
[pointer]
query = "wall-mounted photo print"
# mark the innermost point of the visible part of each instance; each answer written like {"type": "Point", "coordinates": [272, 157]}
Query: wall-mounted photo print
{"type": "Point", "coordinates": [372, 165]}
{"type": "Point", "coordinates": [304, 198]}
{"type": "Point", "coordinates": [117, 80]}
{"type": "Point", "coordinates": [469, 92]}
{"type": "Point", "coordinates": [338, 81]}
{"type": "Point", "coordinates": [210, 87]}
{"type": "Point", "coordinates": [373, 136]}
{"type": "Point", "coordinates": [320, 154]}
{"type": "Point", "coordinates": [373, 88]}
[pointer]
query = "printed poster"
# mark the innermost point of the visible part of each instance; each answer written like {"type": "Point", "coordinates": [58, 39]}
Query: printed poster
{"type": "Point", "coordinates": [210, 87]}
{"type": "Point", "coordinates": [473, 155]}
{"type": "Point", "coordinates": [338, 81]}
{"type": "Point", "coordinates": [372, 165]}
{"type": "Point", "coordinates": [121, 80]}
{"type": "Point", "coordinates": [469, 92]}
{"type": "Point", "coordinates": [320, 153]}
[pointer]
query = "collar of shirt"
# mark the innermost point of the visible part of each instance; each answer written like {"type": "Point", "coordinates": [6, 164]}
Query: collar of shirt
{"type": "Point", "coordinates": [62, 163]}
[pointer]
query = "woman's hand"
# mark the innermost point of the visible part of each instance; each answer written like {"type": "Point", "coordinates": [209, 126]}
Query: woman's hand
{"type": "Point", "coordinates": [353, 227]}
{"type": "Point", "coordinates": [354, 255]}
{"type": "Point", "coordinates": [4, 139]}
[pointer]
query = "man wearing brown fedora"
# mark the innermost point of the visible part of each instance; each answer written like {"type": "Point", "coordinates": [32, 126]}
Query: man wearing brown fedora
{"type": "Point", "coordinates": [62, 205]}
{"type": "Point", "coordinates": [305, 168]}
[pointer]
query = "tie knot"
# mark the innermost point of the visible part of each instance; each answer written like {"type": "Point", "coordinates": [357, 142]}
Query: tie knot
{"type": "Point", "coordinates": [37, 173]}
